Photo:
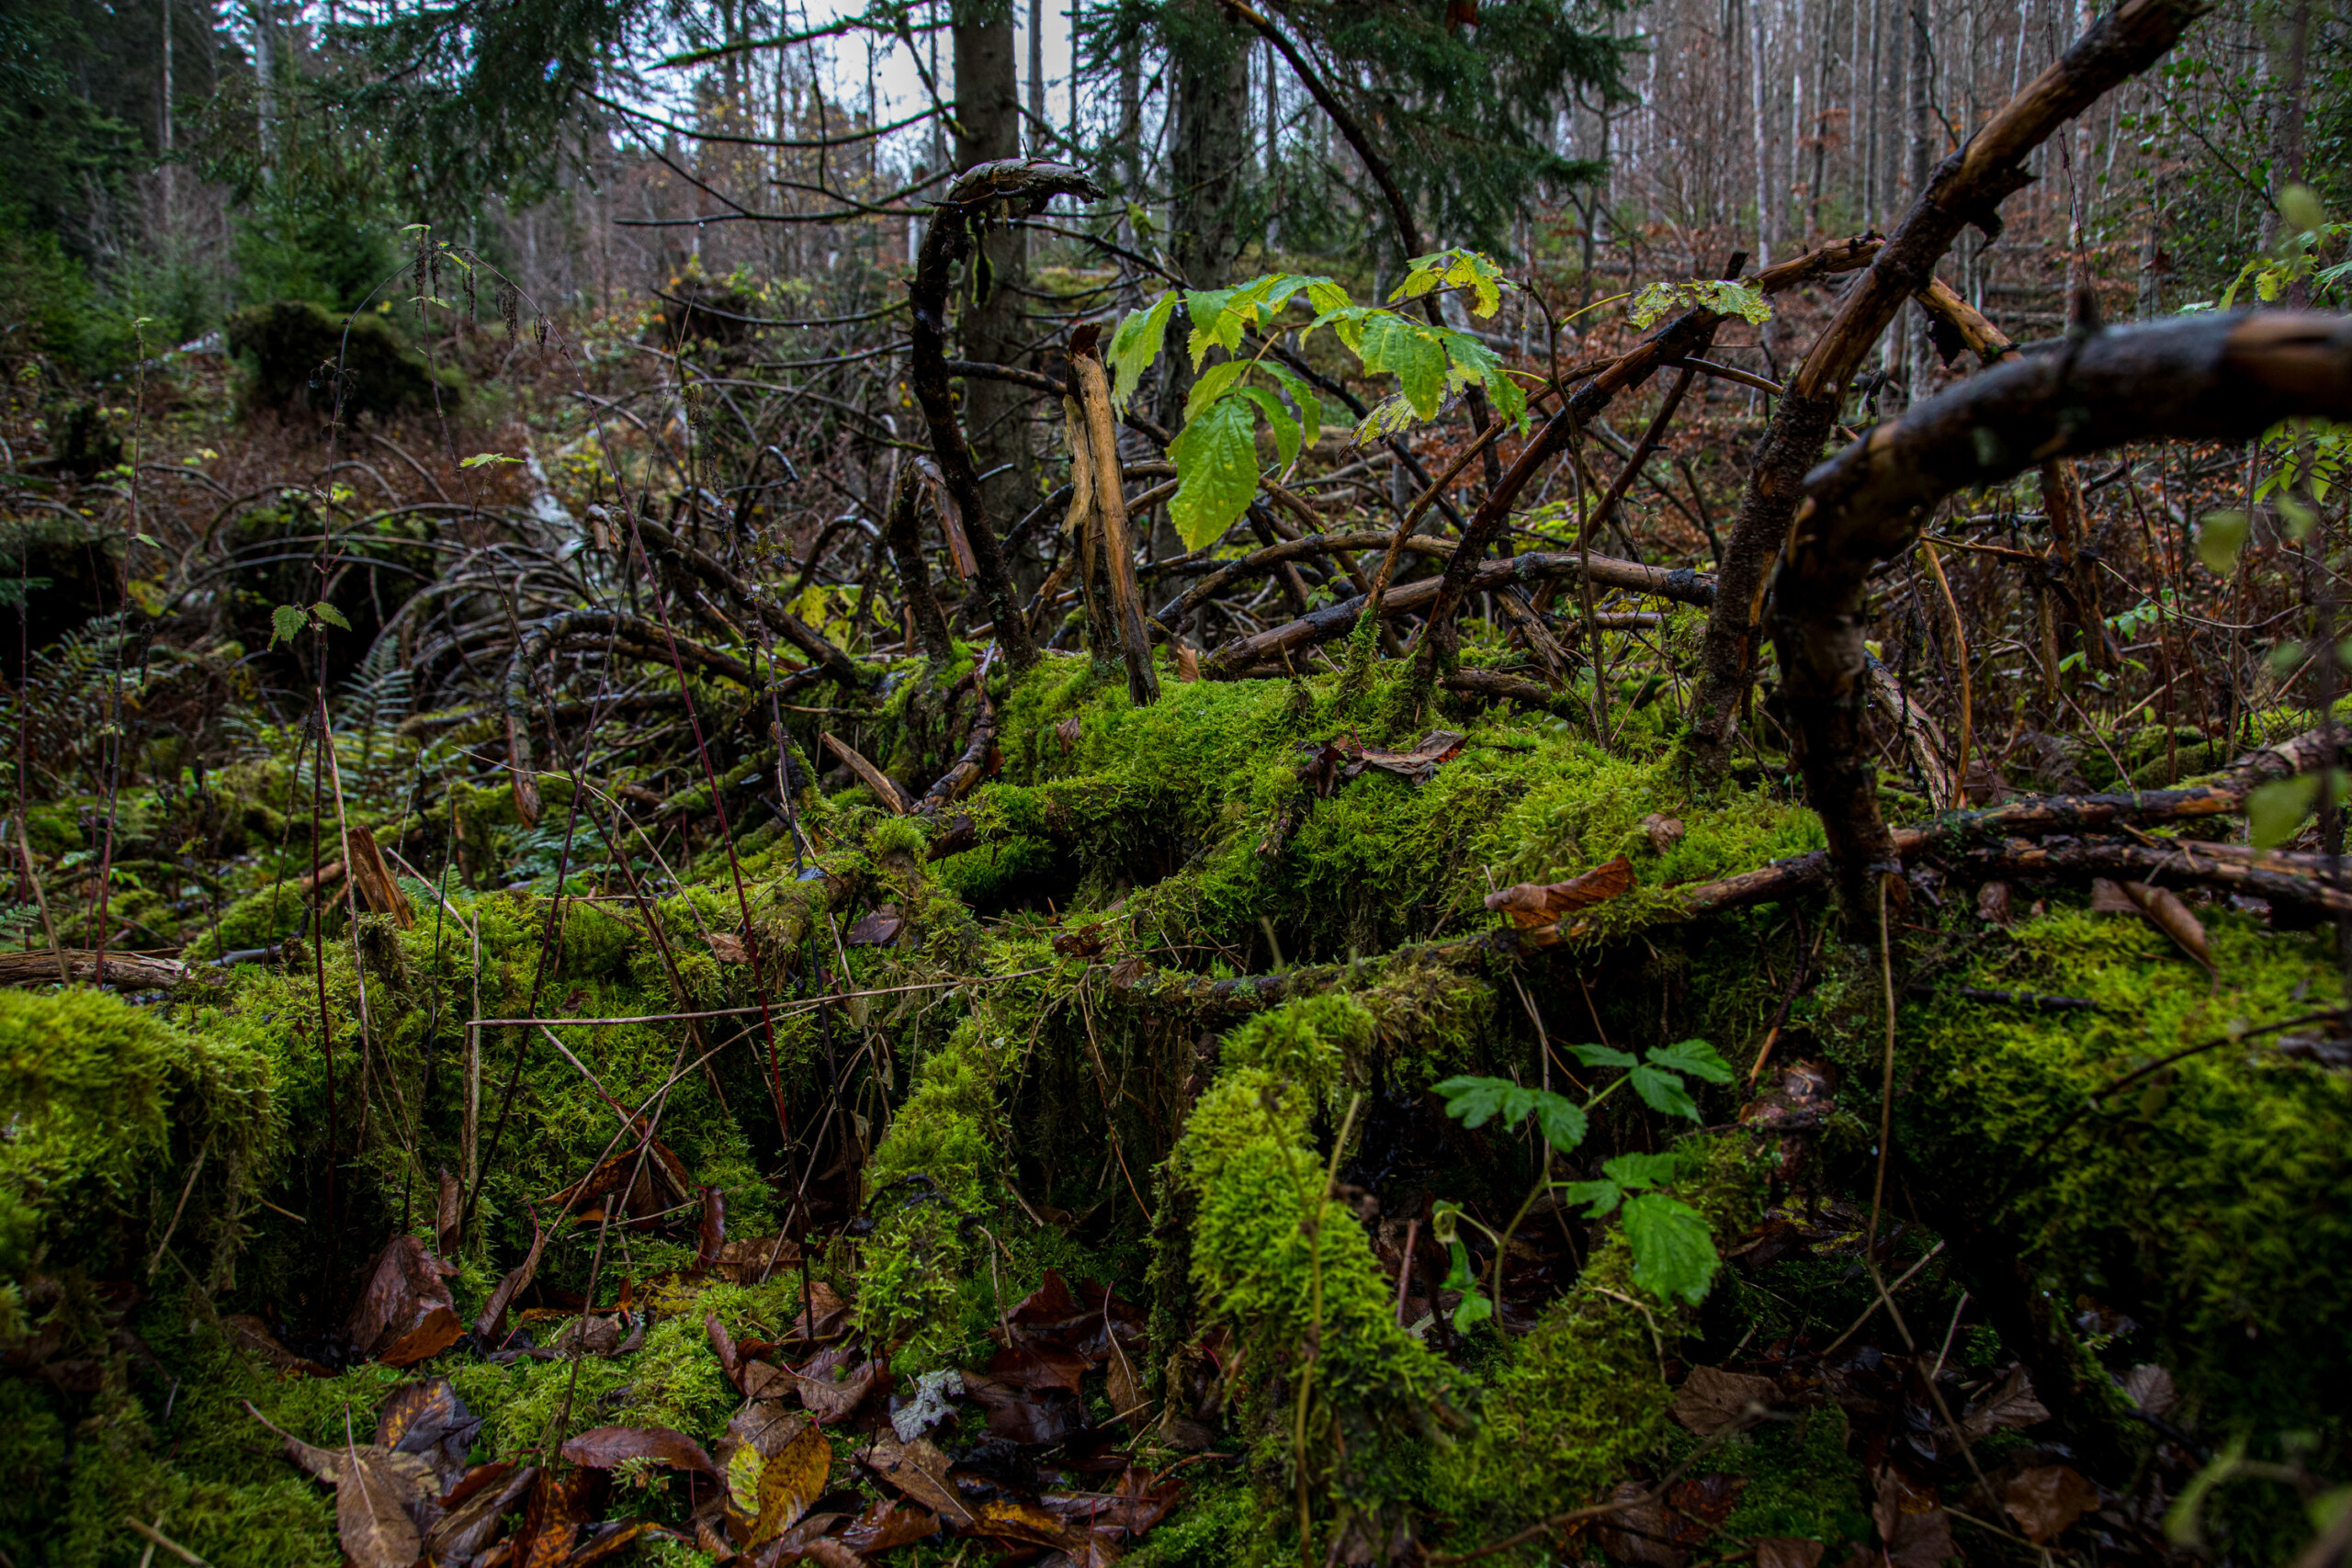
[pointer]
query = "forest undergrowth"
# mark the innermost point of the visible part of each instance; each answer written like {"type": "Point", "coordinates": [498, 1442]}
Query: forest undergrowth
{"type": "Point", "coordinates": [608, 957]}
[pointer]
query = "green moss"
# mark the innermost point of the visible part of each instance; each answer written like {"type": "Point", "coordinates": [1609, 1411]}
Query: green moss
{"type": "Point", "coordinates": [1583, 1397]}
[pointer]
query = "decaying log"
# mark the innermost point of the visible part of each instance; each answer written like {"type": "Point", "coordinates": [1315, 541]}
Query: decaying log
{"type": "Point", "coordinates": [2204, 378]}
{"type": "Point", "coordinates": [1967, 187]}
{"type": "Point", "coordinates": [131, 971]}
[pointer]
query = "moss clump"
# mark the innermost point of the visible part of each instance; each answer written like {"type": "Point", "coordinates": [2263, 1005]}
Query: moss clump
{"type": "Point", "coordinates": [298, 354]}
{"type": "Point", "coordinates": [108, 1109]}
{"type": "Point", "coordinates": [931, 1182]}
{"type": "Point", "coordinates": [2205, 1201]}
{"type": "Point", "coordinates": [1583, 1398]}
{"type": "Point", "coordinates": [1270, 1260]}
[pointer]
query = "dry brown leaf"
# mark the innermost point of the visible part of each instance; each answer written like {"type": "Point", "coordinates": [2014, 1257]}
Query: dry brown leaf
{"type": "Point", "coordinates": [791, 1481]}
{"type": "Point", "coordinates": [2165, 911]}
{"type": "Point", "coordinates": [602, 1448]}
{"type": "Point", "coordinates": [558, 1506]}
{"type": "Point", "coordinates": [489, 1328]}
{"type": "Point", "coordinates": [447, 1215]}
{"type": "Point", "coordinates": [918, 1471]}
{"type": "Point", "coordinates": [429, 1420]}
{"type": "Point", "coordinates": [728, 948]}
{"type": "Point", "coordinates": [1712, 1399]}
{"type": "Point", "coordinates": [405, 1314]}
{"type": "Point", "coordinates": [1009, 1519]}
{"type": "Point", "coordinates": [1913, 1528]}
{"type": "Point", "coordinates": [1993, 903]}
{"type": "Point", "coordinates": [755, 1433]}
{"type": "Point", "coordinates": [1787, 1552]}
{"type": "Point", "coordinates": [2006, 1408]}
{"type": "Point", "coordinates": [1529, 905]}
{"type": "Point", "coordinates": [1664, 831]}
{"type": "Point", "coordinates": [372, 1501]}
{"type": "Point", "coordinates": [255, 1339]}
{"type": "Point", "coordinates": [474, 1516]}
{"type": "Point", "coordinates": [879, 928]}
{"type": "Point", "coordinates": [889, 1524]}
{"type": "Point", "coordinates": [2046, 1499]}
{"type": "Point", "coordinates": [2150, 1387]}
{"type": "Point", "coordinates": [611, 1544]}
{"type": "Point", "coordinates": [1128, 1401]}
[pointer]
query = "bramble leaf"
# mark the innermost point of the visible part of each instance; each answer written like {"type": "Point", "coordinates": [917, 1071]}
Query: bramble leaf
{"type": "Point", "coordinates": [331, 615]}
{"type": "Point", "coordinates": [1562, 1120]}
{"type": "Point", "coordinates": [1475, 1101]}
{"type": "Point", "coordinates": [1635, 1171]}
{"type": "Point", "coordinates": [1663, 1092]}
{"type": "Point", "coordinates": [1695, 1057]}
{"type": "Point", "coordinates": [1604, 1056]}
{"type": "Point", "coordinates": [1601, 1196]}
{"type": "Point", "coordinates": [1673, 1254]}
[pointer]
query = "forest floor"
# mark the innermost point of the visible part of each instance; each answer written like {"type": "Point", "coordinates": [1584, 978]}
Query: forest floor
{"type": "Point", "coordinates": [1324, 1118]}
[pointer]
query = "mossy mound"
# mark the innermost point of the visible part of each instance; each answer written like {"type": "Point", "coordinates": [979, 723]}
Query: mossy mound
{"type": "Point", "coordinates": [300, 355]}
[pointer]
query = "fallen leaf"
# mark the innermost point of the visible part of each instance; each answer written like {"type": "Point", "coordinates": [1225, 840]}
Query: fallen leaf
{"type": "Point", "coordinates": [602, 1448]}
{"type": "Point", "coordinates": [791, 1481]}
{"type": "Point", "coordinates": [1128, 1400]}
{"type": "Point", "coordinates": [1037, 1366]}
{"type": "Point", "coordinates": [1529, 905]}
{"type": "Point", "coordinates": [1787, 1552]}
{"type": "Point", "coordinates": [616, 1540]}
{"type": "Point", "coordinates": [429, 1420]}
{"type": "Point", "coordinates": [754, 1434]}
{"type": "Point", "coordinates": [888, 1524]}
{"type": "Point", "coordinates": [1664, 831]}
{"type": "Point", "coordinates": [722, 1344]}
{"type": "Point", "coordinates": [829, 1397]}
{"type": "Point", "coordinates": [1993, 903]}
{"type": "Point", "coordinates": [656, 1177]}
{"type": "Point", "coordinates": [879, 928]}
{"type": "Point", "coordinates": [1712, 1399]}
{"type": "Point", "coordinates": [2047, 1499]}
{"type": "Point", "coordinates": [752, 1260]}
{"type": "Point", "coordinates": [825, 1552]}
{"type": "Point", "coordinates": [489, 1328]}
{"type": "Point", "coordinates": [1913, 1528]}
{"type": "Point", "coordinates": [476, 1512]}
{"type": "Point", "coordinates": [1038, 1418]}
{"type": "Point", "coordinates": [2150, 1387]}
{"type": "Point", "coordinates": [918, 1471]}
{"type": "Point", "coordinates": [2005, 1409]}
{"type": "Point", "coordinates": [883, 789]}
{"type": "Point", "coordinates": [1084, 942]}
{"type": "Point", "coordinates": [728, 948]}
{"type": "Point", "coordinates": [404, 1314]}
{"type": "Point", "coordinates": [1639, 1532]}
{"type": "Point", "coordinates": [372, 1502]}
{"type": "Point", "coordinates": [823, 1313]}
{"type": "Point", "coordinates": [558, 1504]}
{"type": "Point", "coordinates": [912, 1417]}
{"type": "Point", "coordinates": [1009, 1519]}
{"type": "Point", "coordinates": [1069, 730]}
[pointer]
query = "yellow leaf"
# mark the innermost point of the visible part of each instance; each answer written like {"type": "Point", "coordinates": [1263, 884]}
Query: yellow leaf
{"type": "Point", "coordinates": [791, 1481]}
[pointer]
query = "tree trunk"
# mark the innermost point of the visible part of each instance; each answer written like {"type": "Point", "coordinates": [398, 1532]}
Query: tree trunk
{"type": "Point", "coordinates": [1208, 155]}
{"type": "Point", "coordinates": [988, 126]}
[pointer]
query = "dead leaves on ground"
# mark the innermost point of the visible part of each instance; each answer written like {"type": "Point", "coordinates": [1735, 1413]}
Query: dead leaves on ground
{"type": "Point", "coordinates": [1538, 909]}
{"type": "Point", "coordinates": [1326, 766]}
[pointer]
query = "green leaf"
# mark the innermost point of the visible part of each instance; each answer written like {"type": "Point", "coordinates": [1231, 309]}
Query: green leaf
{"type": "Point", "coordinates": [2274, 813]}
{"type": "Point", "coordinates": [1213, 323]}
{"type": "Point", "coordinates": [479, 458]}
{"type": "Point", "coordinates": [1640, 1170]}
{"type": "Point", "coordinates": [1674, 1258]}
{"type": "Point", "coordinates": [1475, 1101]}
{"type": "Point", "coordinates": [1327, 297]}
{"type": "Point", "coordinates": [1213, 384]}
{"type": "Point", "coordinates": [1663, 1092]}
{"type": "Point", "coordinates": [1414, 355]}
{"type": "Point", "coordinates": [1279, 420]}
{"type": "Point", "coordinates": [1695, 1057]}
{"type": "Point", "coordinates": [2219, 536]}
{"type": "Point", "coordinates": [1600, 1197]}
{"type": "Point", "coordinates": [1136, 344]}
{"type": "Point", "coordinates": [1302, 396]}
{"type": "Point", "coordinates": [1510, 399]}
{"type": "Point", "coordinates": [1604, 1056]}
{"type": "Point", "coordinates": [1561, 1119]}
{"type": "Point", "coordinates": [148, 539]}
{"type": "Point", "coordinates": [331, 615]}
{"type": "Point", "coordinates": [1217, 471]}
{"type": "Point", "coordinates": [287, 623]}
{"type": "Point", "coordinates": [1474, 1308]}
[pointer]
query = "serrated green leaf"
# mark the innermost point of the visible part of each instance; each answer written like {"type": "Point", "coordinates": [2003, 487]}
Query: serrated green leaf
{"type": "Point", "coordinates": [1674, 1256]}
{"type": "Point", "coordinates": [1474, 1307]}
{"type": "Point", "coordinates": [1510, 399]}
{"type": "Point", "coordinates": [1637, 1171]}
{"type": "Point", "coordinates": [1600, 1198]}
{"type": "Point", "coordinates": [1217, 471]}
{"type": "Point", "coordinates": [1561, 1120]}
{"type": "Point", "coordinates": [1215, 324]}
{"type": "Point", "coordinates": [2275, 812]}
{"type": "Point", "coordinates": [480, 459]}
{"type": "Point", "coordinates": [331, 615]}
{"type": "Point", "coordinates": [1278, 421]}
{"type": "Point", "coordinates": [2219, 536]}
{"type": "Point", "coordinates": [1385, 417]}
{"type": "Point", "coordinates": [1414, 355]}
{"type": "Point", "coordinates": [286, 623]}
{"type": "Point", "coordinates": [1137, 345]}
{"type": "Point", "coordinates": [1663, 1092]}
{"type": "Point", "coordinates": [1474, 1101]}
{"type": "Point", "coordinates": [1327, 297]}
{"type": "Point", "coordinates": [1213, 384]}
{"type": "Point", "coordinates": [1302, 396]}
{"type": "Point", "coordinates": [1604, 1056]}
{"type": "Point", "coordinates": [1695, 1057]}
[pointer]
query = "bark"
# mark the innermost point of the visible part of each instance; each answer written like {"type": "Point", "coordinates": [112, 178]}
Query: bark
{"type": "Point", "coordinates": [988, 128]}
{"type": "Point", "coordinates": [2223, 379]}
{"type": "Point", "coordinates": [989, 194]}
{"type": "Point", "coordinates": [1967, 187]}
{"type": "Point", "coordinates": [904, 532]}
